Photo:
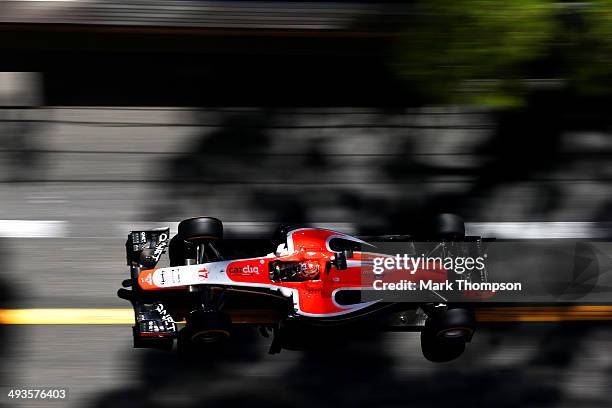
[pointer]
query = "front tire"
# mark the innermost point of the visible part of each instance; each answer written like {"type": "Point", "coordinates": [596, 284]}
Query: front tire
{"type": "Point", "coordinates": [198, 228]}
{"type": "Point", "coordinates": [456, 323]}
{"type": "Point", "coordinates": [203, 329]}
{"type": "Point", "coordinates": [445, 334]}
{"type": "Point", "coordinates": [440, 350]}
{"type": "Point", "coordinates": [208, 327]}
{"type": "Point", "coordinates": [191, 233]}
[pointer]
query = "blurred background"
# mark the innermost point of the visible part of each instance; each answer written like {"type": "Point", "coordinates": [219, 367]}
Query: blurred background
{"type": "Point", "coordinates": [363, 116]}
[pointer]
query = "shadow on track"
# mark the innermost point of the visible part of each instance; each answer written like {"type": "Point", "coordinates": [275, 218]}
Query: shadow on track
{"type": "Point", "coordinates": [373, 371]}
{"type": "Point", "coordinates": [7, 300]}
{"type": "Point", "coordinates": [248, 166]}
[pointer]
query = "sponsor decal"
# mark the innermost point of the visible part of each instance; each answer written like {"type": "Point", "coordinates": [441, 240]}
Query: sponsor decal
{"type": "Point", "coordinates": [176, 276]}
{"type": "Point", "coordinates": [247, 270]}
{"type": "Point", "coordinates": [161, 247]}
{"type": "Point", "coordinates": [148, 279]}
{"type": "Point", "coordinates": [165, 316]}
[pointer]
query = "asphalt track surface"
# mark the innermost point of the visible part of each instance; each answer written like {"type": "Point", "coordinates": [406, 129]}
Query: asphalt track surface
{"type": "Point", "coordinates": [543, 365]}
{"type": "Point", "coordinates": [85, 176]}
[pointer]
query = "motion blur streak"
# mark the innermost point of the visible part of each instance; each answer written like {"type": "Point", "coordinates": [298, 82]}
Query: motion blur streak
{"type": "Point", "coordinates": [32, 229]}
{"type": "Point", "coordinates": [126, 316]}
{"type": "Point", "coordinates": [545, 314]}
{"type": "Point", "coordinates": [367, 115]}
{"type": "Point", "coordinates": [201, 14]}
{"type": "Point", "coordinates": [66, 316]}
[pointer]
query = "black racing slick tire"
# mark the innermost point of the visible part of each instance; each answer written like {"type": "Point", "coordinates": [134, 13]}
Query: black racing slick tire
{"type": "Point", "coordinates": [200, 228]}
{"type": "Point", "coordinates": [208, 327]}
{"type": "Point", "coordinates": [440, 350]}
{"type": "Point", "coordinates": [449, 226]}
{"type": "Point", "coordinates": [203, 330]}
{"type": "Point", "coordinates": [454, 323]}
{"type": "Point", "coordinates": [445, 334]}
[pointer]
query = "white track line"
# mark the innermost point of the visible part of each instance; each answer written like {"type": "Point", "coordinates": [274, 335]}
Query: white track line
{"type": "Point", "coordinates": [516, 230]}
{"type": "Point", "coordinates": [540, 230]}
{"type": "Point", "coordinates": [234, 228]}
{"type": "Point", "coordinates": [33, 229]}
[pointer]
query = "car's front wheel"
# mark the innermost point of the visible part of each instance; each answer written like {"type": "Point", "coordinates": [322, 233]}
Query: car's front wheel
{"type": "Point", "coordinates": [446, 332]}
{"type": "Point", "coordinates": [438, 349]}
{"type": "Point", "coordinates": [204, 328]}
{"type": "Point", "coordinates": [193, 233]}
{"type": "Point", "coordinates": [200, 228]}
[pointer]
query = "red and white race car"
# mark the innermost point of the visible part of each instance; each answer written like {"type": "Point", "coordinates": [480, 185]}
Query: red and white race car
{"type": "Point", "coordinates": [307, 286]}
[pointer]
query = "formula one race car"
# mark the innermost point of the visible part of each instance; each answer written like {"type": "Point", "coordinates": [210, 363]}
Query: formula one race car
{"type": "Point", "coordinates": [306, 286]}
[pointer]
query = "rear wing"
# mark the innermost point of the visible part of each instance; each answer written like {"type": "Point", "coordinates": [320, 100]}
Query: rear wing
{"type": "Point", "coordinates": [144, 248]}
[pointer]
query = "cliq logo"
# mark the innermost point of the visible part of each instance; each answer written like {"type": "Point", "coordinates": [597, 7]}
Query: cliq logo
{"type": "Point", "coordinates": [247, 270]}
